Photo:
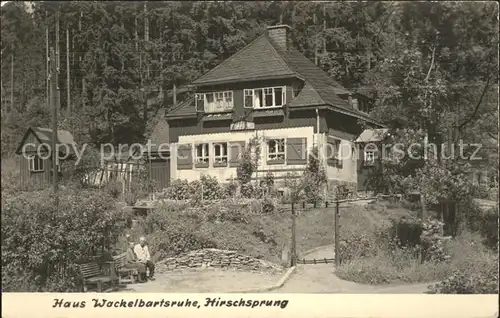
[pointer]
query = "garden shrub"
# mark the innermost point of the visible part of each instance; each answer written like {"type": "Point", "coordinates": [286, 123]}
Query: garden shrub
{"type": "Point", "coordinates": [433, 242]}
{"type": "Point", "coordinates": [178, 190]}
{"type": "Point", "coordinates": [474, 267]}
{"type": "Point", "coordinates": [356, 244]}
{"type": "Point", "coordinates": [41, 245]}
{"type": "Point", "coordinates": [212, 189]}
{"type": "Point", "coordinates": [12, 184]}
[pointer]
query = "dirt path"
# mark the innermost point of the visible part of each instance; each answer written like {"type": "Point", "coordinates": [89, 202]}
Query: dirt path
{"type": "Point", "coordinates": [204, 281]}
{"type": "Point", "coordinates": [320, 278]}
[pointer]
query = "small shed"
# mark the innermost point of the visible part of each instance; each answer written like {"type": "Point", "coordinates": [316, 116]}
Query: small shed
{"type": "Point", "coordinates": [35, 153]}
{"type": "Point", "coordinates": [368, 144]}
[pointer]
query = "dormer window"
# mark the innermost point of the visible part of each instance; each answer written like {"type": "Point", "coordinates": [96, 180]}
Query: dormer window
{"type": "Point", "coordinates": [264, 97]}
{"type": "Point", "coordinates": [214, 102]}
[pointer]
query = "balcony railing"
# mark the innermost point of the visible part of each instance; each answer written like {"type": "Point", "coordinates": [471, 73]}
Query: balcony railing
{"type": "Point", "coordinates": [218, 107]}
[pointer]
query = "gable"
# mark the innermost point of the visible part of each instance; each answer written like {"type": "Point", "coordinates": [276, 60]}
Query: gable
{"type": "Point", "coordinates": [29, 138]}
{"type": "Point", "coordinates": [37, 136]}
{"type": "Point", "coordinates": [257, 60]}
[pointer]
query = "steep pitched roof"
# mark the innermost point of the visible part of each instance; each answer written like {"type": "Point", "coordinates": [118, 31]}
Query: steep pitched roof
{"type": "Point", "coordinates": [259, 59]}
{"type": "Point", "coordinates": [372, 135]}
{"type": "Point", "coordinates": [44, 135]}
{"type": "Point", "coordinates": [247, 64]}
{"type": "Point", "coordinates": [63, 136]}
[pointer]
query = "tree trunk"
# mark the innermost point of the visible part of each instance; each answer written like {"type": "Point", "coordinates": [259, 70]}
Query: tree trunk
{"type": "Point", "coordinates": [68, 78]}
{"type": "Point", "coordinates": [11, 82]}
{"type": "Point", "coordinates": [315, 42]}
{"type": "Point", "coordinates": [136, 34]}
{"type": "Point", "coordinates": [47, 65]}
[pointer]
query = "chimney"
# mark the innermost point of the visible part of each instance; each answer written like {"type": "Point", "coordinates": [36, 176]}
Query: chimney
{"type": "Point", "coordinates": [280, 34]}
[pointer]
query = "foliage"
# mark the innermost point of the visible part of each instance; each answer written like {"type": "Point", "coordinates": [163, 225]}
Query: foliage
{"type": "Point", "coordinates": [175, 227]}
{"type": "Point", "coordinates": [207, 188]}
{"type": "Point", "coordinates": [314, 178]}
{"type": "Point", "coordinates": [249, 161]}
{"type": "Point", "coordinates": [475, 268]}
{"type": "Point", "coordinates": [375, 251]}
{"type": "Point", "coordinates": [43, 245]}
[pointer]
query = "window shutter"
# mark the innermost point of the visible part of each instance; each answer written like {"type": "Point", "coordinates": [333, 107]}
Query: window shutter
{"type": "Point", "coordinates": [236, 149]}
{"type": "Point", "coordinates": [296, 149]}
{"type": "Point", "coordinates": [184, 156]}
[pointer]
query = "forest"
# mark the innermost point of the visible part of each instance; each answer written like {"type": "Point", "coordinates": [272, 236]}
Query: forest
{"type": "Point", "coordinates": [430, 65]}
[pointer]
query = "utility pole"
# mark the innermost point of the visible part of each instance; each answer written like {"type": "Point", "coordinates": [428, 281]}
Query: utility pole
{"type": "Point", "coordinates": [336, 231]}
{"type": "Point", "coordinates": [294, 239]}
{"type": "Point", "coordinates": [58, 59]}
{"type": "Point", "coordinates": [68, 79]}
{"type": "Point", "coordinates": [53, 78]}
{"type": "Point", "coordinates": [47, 58]}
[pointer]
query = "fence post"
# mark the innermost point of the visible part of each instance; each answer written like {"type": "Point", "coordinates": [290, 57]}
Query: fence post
{"type": "Point", "coordinates": [294, 248]}
{"type": "Point", "coordinates": [336, 233]}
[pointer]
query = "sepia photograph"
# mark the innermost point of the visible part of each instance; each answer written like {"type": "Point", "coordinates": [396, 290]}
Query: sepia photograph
{"type": "Point", "coordinates": [249, 147]}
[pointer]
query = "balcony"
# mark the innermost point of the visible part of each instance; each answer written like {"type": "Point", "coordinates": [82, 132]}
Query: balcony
{"type": "Point", "coordinates": [218, 107]}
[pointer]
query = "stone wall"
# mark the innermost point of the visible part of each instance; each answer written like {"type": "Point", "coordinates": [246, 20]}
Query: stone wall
{"type": "Point", "coordinates": [215, 258]}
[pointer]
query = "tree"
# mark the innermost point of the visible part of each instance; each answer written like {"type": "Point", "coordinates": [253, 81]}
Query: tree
{"type": "Point", "coordinates": [314, 178]}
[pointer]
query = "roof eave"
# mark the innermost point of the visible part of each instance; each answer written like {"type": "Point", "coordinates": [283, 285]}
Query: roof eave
{"type": "Point", "coordinates": [339, 110]}
{"type": "Point", "coordinates": [248, 79]}
{"type": "Point", "coordinates": [181, 116]}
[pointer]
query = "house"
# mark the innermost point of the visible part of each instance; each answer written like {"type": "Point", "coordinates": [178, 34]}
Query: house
{"type": "Point", "coordinates": [35, 157]}
{"type": "Point", "coordinates": [269, 91]}
{"type": "Point", "coordinates": [368, 146]}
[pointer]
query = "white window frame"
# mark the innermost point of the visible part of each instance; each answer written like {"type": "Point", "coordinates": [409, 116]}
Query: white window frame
{"type": "Point", "coordinates": [222, 101]}
{"type": "Point", "coordinates": [247, 93]}
{"type": "Point", "coordinates": [276, 153]}
{"type": "Point", "coordinates": [262, 104]}
{"type": "Point", "coordinates": [198, 97]}
{"type": "Point", "coordinates": [369, 161]}
{"type": "Point", "coordinates": [31, 163]}
{"type": "Point", "coordinates": [205, 152]}
{"type": "Point", "coordinates": [223, 157]}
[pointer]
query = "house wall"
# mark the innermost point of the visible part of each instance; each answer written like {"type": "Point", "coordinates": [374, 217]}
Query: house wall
{"type": "Point", "coordinates": [44, 176]}
{"type": "Point", "coordinates": [225, 174]}
{"type": "Point", "coordinates": [238, 96]}
{"type": "Point", "coordinates": [160, 172]}
{"type": "Point", "coordinates": [346, 173]}
{"type": "Point", "coordinates": [198, 126]}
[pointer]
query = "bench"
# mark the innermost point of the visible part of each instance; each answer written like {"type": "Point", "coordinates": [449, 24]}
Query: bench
{"type": "Point", "coordinates": [94, 275]}
{"type": "Point", "coordinates": [124, 273]}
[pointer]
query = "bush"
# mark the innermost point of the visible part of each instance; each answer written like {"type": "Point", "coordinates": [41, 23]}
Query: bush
{"type": "Point", "coordinates": [475, 268]}
{"type": "Point", "coordinates": [41, 245]}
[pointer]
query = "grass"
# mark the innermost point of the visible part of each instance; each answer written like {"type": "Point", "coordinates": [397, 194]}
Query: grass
{"type": "Point", "coordinates": [383, 266]}
{"type": "Point", "coordinates": [265, 235]}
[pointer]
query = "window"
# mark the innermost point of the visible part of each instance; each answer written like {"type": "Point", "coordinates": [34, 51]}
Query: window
{"type": "Point", "coordinates": [268, 97]}
{"type": "Point", "coordinates": [200, 102]}
{"type": "Point", "coordinates": [214, 102]}
{"type": "Point", "coordinates": [228, 97]}
{"type": "Point", "coordinates": [278, 96]}
{"type": "Point", "coordinates": [35, 163]}
{"type": "Point", "coordinates": [248, 102]}
{"type": "Point", "coordinates": [202, 153]}
{"type": "Point", "coordinates": [369, 158]}
{"type": "Point", "coordinates": [264, 97]}
{"type": "Point", "coordinates": [276, 149]}
{"type": "Point", "coordinates": [220, 153]}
